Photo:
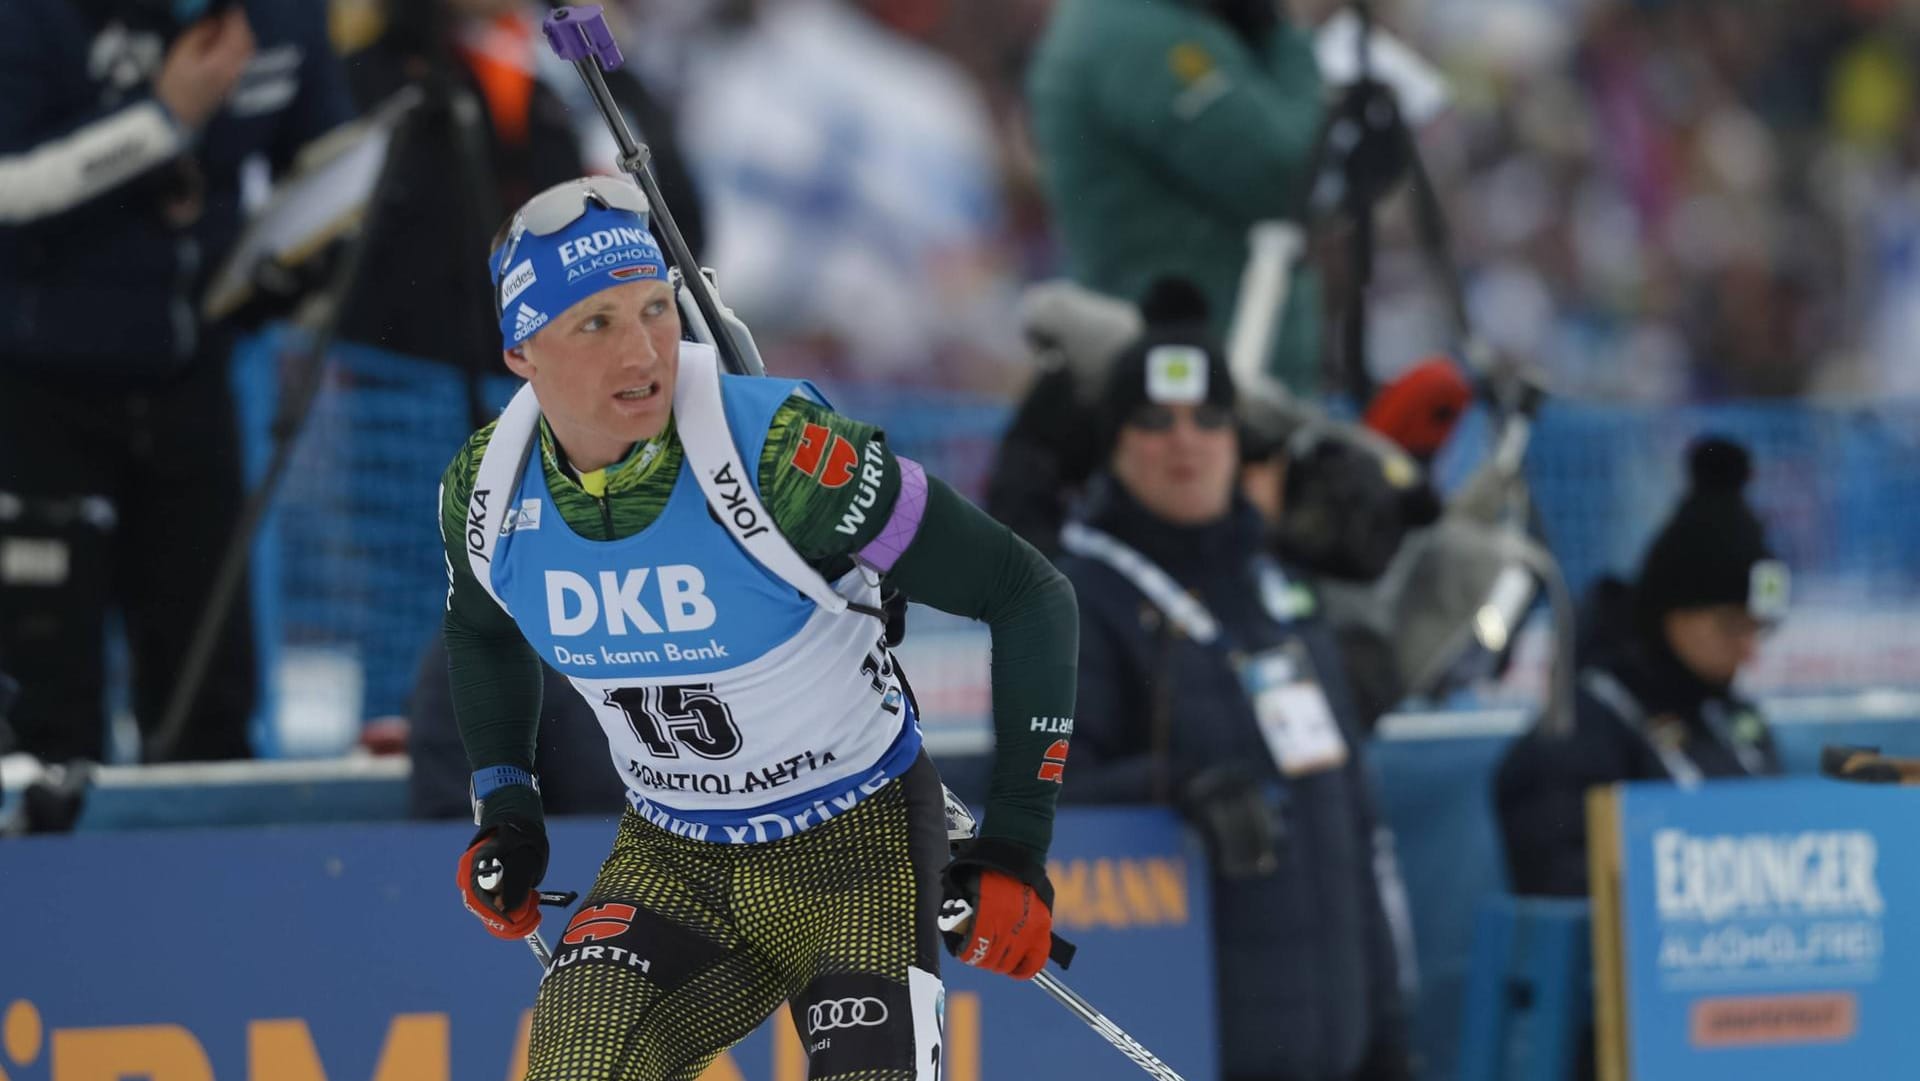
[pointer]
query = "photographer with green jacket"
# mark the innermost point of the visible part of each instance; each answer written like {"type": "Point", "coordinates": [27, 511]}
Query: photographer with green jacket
{"type": "Point", "coordinates": [1166, 130]}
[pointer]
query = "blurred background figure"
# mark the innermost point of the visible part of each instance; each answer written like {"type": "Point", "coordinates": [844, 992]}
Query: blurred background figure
{"type": "Point", "coordinates": [498, 124]}
{"type": "Point", "coordinates": [854, 186]}
{"type": "Point", "coordinates": [1051, 447]}
{"type": "Point", "coordinates": [570, 749]}
{"type": "Point", "coordinates": [1655, 697]}
{"type": "Point", "coordinates": [119, 464]}
{"type": "Point", "coordinates": [1208, 683]}
{"type": "Point", "coordinates": [1165, 132]}
{"type": "Point", "coordinates": [501, 119]}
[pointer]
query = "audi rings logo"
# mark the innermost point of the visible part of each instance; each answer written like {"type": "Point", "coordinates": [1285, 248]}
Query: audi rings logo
{"type": "Point", "coordinates": [845, 1013]}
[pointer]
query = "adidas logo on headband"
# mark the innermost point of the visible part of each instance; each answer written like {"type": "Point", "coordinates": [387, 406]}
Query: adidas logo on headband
{"type": "Point", "coordinates": [526, 321]}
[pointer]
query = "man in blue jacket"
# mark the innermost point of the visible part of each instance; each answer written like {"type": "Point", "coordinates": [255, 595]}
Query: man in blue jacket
{"type": "Point", "coordinates": [130, 122]}
{"type": "Point", "coordinates": [1207, 682]}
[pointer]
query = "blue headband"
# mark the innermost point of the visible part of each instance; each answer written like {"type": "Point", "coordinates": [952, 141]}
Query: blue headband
{"type": "Point", "coordinates": [541, 276]}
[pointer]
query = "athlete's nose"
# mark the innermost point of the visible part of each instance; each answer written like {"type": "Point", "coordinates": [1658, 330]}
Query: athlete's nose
{"type": "Point", "coordinates": [638, 354]}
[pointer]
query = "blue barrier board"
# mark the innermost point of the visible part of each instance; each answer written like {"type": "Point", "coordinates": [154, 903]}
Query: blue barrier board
{"type": "Point", "coordinates": [1770, 930]}
{"type": "Point", "coordinates": [341, 952]}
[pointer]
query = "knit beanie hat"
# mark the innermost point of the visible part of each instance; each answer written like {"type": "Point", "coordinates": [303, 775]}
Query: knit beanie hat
{"type": "Point", "coordinates": [1714, 549]}
{"type": "Point", "coordinates": [1174, 361]}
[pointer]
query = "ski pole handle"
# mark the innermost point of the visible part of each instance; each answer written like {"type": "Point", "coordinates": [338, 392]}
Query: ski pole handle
{"type": "Point", "coordinates": [591, 41]}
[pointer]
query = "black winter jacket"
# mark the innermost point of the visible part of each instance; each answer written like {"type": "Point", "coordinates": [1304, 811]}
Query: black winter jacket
{"type": "Point", "coordinates": [1639, 715]}
{"type": "Point", "coordinates": [423, 289]}
{"type": "Point", "coordinates": [1306, 969]}
{"type": "Point", "coordinates": [107, 293]}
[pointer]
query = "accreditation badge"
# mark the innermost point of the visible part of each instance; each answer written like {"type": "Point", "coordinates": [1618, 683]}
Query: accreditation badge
{"type": "Point", "coordinates": [1295, 717]}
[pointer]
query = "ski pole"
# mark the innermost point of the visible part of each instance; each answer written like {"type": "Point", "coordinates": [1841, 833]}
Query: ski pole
{"type": "Point", "coordinates": [955, 914]}
{"type": "Point", "coordinates": [559, 899]}
{"type": "Point", "coordinates": [579, 35]}
{"type": "Point", "coordinates": [1099, 1023]}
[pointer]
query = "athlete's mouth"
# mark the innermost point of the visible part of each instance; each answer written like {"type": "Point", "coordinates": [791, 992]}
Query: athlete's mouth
{"type": "Point", "coordinates": [639, 393]}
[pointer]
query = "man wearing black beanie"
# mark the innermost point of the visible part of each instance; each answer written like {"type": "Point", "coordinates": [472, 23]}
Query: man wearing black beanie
{"type": "Point", "coordinates": [1659, 704]}
{"type": "Point", "coordinates": [1209, 681]}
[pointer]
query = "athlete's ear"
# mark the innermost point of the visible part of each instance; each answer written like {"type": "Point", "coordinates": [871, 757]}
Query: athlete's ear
{"type": "Point", "coordinates": [517, 362]}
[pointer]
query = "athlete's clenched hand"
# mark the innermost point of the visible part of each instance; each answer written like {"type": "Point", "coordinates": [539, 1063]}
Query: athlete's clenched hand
{"type": "Point", "coordinates": [996, 909]}
{"type": "Point", "coordinates": [498, 873]}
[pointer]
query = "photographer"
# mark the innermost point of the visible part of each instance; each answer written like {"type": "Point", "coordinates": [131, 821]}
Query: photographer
{"type": "Point", "coordinates": [1208, 682]}
{"type": "Point", "coordinates": [126, 124]}
{"type": "Point", "coordinates": [1166, 130]}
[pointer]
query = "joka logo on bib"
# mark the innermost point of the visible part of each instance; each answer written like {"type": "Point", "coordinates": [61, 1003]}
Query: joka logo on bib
{"type": "Point", "coordinates": [629, 603]}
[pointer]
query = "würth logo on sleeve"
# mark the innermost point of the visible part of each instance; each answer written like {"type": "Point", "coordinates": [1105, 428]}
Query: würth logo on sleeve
{"type": "Point", "coordinates": [1054, 768]}
{"type": "Point", "coordinates": [824, 456]}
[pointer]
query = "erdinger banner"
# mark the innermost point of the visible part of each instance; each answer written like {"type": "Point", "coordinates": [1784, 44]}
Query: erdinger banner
{"type": "Point", "coordinates": [342, 954]}
{"type": "Point", "coordinates": [1767, 929]}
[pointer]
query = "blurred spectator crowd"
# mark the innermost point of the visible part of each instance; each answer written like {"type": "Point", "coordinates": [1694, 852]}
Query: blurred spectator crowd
{"type": "Point", "coordinates": [1673, 200]}
{"type": "Point", "coordinates": [1656, 200]}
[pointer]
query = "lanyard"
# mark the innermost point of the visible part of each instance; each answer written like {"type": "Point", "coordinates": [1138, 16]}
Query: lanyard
{"type": "Point", "coordinates": [1185, 610]}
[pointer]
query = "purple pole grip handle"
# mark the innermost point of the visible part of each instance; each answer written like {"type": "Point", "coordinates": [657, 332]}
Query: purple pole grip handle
{"type": "Point", "coordinates": [577, 33]}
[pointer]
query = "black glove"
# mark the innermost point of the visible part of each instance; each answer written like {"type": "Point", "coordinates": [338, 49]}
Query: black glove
{"type": "Point", "coordinates": [1227, 803]}
{"type": "Point", "coordinates": [498, 873]}
{"type": "Point", "coordinates": [894, 606]}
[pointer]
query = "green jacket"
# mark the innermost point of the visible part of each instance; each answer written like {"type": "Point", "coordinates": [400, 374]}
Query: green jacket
{"type": "Point", "coordinates": [1163, 137]}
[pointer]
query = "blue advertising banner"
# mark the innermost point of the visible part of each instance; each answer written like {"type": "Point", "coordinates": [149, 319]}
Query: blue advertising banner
{"type": "Point", "coordinates": [341, 953]}
{"type": "Point", "coordinates": [1771, 930]}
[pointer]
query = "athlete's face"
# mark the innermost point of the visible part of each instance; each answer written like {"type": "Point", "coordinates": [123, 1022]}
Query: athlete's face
{"type": "Point", "coordinates": [604, 370]}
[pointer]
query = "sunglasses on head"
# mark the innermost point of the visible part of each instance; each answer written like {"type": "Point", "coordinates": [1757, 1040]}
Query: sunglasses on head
{"type": "Point", "coordinates": [563, 204]}
{"type": "Point", "coordinates": [1207, 416]}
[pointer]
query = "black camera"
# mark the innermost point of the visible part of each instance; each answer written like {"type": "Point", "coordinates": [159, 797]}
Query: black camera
{"type": "Point", "coordinates": [1348, 506]}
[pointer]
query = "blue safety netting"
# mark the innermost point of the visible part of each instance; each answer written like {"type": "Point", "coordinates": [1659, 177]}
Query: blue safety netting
{"type": "Point", "coordinates": [351, 558]}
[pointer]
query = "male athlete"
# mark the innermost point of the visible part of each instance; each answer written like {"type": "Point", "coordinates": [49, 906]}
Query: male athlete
{"type": "Point", "coordinates": [702, 556]}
